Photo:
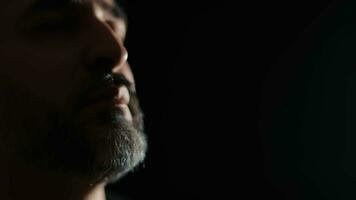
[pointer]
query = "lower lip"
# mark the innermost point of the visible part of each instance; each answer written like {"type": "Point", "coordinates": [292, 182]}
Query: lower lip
{"type": "Point", "coordinates": [105, 104]}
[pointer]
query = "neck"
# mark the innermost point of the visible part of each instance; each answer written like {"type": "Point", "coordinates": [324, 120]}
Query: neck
{"type": "Point", "coordinates": [20, 181]}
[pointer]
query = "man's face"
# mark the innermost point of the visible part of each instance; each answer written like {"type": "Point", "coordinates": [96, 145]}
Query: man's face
{"type": "Point", "coordinates": [60, 108]}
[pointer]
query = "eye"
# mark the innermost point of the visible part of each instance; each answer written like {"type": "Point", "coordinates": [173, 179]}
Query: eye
{"type": "Point", "coordinates": [111, 24]}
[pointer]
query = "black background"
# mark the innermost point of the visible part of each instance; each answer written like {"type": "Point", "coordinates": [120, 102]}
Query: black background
{"type": "Point", "coordinates": [207, 73]}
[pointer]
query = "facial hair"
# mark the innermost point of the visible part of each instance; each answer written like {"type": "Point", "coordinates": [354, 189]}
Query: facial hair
{"type": "Point", "coordinates": [54, 139]}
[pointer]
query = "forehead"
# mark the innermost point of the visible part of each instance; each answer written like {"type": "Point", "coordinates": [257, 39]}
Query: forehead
{"type": "Point", "coordinates": [28, 2]}
{"type": "Point", "coordinates": [23, 5]}
{"type": "Point", "coordinates": [16, 10]}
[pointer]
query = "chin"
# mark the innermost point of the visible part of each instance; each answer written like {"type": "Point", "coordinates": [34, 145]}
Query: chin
{"type": "Point", "coordinates": [115, 147]}
{"type": "Point", "coordinates": [117, 151]}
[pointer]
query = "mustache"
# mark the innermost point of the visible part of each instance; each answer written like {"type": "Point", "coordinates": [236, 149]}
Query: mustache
{"type": "Point", "coordinates": [108, 79]}
{"type": "Point", "coordinates": [116, 79]}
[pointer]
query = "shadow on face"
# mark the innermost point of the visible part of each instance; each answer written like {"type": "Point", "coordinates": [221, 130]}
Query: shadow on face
{"type": "Point", "coordinates": [53, 53]}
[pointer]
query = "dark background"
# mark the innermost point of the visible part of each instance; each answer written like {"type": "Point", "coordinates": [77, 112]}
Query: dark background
{"type": "Point", "coordinates": [243, 100]}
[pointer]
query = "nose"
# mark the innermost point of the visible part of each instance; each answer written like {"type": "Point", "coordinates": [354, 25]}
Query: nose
{"type": "Point", "coordinates": [105, 51]}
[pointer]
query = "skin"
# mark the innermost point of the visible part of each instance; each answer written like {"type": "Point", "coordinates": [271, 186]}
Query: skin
{"type": "Point", "coordinates": [44, 69]}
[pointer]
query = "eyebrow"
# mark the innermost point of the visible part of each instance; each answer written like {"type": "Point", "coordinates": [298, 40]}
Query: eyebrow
{"type": "Point", "coordinates": [45, 5]}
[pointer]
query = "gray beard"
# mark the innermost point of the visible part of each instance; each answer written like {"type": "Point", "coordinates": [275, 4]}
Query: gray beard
{"type": "Point", "coordinates": [102, 153]}
{"type": "Point", "coordinates": [49, 139]}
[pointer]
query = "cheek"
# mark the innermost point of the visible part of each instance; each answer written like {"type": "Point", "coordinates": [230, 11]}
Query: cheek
{"type": "Point", "coordinates": [47, 73]}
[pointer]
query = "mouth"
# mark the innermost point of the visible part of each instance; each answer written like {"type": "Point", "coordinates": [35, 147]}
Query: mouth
{"type": "Point", "coordinates": [109, 96]}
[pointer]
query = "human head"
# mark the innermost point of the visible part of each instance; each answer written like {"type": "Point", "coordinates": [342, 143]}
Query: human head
{"type": "Point", "coordinates": [61, 64]}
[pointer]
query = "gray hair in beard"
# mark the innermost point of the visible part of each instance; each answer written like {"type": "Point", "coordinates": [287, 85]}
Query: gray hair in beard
{"type": "Point", "coordinates": [71, 149]}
